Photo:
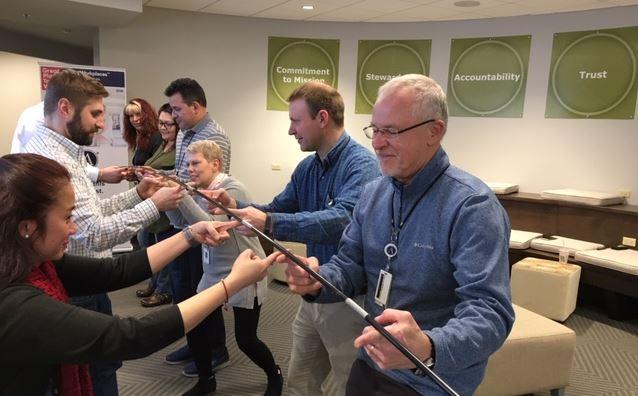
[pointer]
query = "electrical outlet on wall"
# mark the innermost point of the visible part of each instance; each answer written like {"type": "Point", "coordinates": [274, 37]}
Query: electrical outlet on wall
{"type": "Point", "coordinates": [624, 193]}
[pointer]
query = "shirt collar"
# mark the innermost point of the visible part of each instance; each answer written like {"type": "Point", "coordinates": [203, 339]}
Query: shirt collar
{"type": "Point", "coordinates": [424, 178]}
{"type": "Point", "coordinates": [200, 125]}
{"type": "Point", "coordinates": [333, 155]}
{"type": "Point", "coordinates": [73, 149]}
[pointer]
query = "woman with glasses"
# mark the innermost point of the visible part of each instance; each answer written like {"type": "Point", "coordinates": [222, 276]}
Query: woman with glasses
{"type": "Point", "coordinates": [158, 291]}
{"type": "Point", "coordinates": [143, 138]}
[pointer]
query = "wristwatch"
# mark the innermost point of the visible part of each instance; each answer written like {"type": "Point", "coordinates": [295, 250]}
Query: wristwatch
{"type": "Point", "coordinates": [188, 235]}
{"type": "Point", "coordinates": [429, 362]}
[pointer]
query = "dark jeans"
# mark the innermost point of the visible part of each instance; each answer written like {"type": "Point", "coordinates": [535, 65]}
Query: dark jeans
{"type": "Point", "coordinates": [102, 374]}
{"type": "Point", "coordinates": [186, 272]}
{"type": "Point", "coordinates": [160, 281]}
{"type": "Point", "coordinates": [364, 380]}
{"type": "Point", "coordinates": [203, 338]}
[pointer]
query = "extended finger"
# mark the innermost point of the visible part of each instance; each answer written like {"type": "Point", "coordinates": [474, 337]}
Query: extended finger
{"type": "Point", "coordinates": [227, 225]}
{"type": "Point", "coordinates": [272, 257]}
{"type": "Point", "coordinates": [390, 316]}
{"type": "Point", "coordinates": [369, 336]}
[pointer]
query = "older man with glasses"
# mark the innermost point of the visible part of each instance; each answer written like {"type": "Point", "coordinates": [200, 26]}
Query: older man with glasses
{"type": "Point", "coordinates": [428, 245]}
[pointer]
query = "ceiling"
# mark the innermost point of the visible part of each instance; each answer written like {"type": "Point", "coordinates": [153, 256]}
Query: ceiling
{"type": "Point", "coordinates": [75, 21]}
{"type": "Point", "coordinates": [384, 10]}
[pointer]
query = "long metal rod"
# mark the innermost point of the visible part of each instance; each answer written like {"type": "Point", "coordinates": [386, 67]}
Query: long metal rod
{"type": "Point", "coordinates": [368, 318]}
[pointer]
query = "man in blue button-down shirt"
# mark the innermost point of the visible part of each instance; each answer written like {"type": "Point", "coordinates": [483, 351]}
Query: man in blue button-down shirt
{"type": "Point", "coordinates": [314, 208]}
{"type": "Point", "coordinates": [438, 239]}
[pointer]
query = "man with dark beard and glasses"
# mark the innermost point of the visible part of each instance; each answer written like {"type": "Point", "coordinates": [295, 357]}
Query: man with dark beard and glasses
{"type": "Point", "coordinates": [73, 114]}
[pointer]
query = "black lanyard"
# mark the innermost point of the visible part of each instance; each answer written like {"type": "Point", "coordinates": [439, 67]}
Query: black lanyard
{"type": "Point", "coordinates": [392, 248]}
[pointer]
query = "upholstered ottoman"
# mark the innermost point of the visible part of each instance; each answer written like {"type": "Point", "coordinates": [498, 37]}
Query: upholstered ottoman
{"type": "Point", "coordinates": [536, 357]}
{"type": "Point", "coordinates": [276, 271]}
{"type": "Point", "coordinates": [546, 287]}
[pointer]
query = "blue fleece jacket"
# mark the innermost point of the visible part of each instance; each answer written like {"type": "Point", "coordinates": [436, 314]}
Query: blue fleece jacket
{"type": "Point", "coordinates": [451, 271]}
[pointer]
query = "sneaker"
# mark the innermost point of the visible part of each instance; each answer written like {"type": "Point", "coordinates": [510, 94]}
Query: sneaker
{"type": "Point", "coordinates": [202, 388]}
{"type": "Point", "coordinates": [182, 355]}
{"type": "Point", "coordinates": [218, 362]}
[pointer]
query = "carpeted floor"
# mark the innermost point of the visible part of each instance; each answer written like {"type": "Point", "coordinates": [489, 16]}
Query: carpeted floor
{"type": "Point", "coordinates": [606, 361]}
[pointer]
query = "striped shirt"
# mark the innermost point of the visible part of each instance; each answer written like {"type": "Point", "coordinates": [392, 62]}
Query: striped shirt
{"type": "Point", "coordinates": [101, 223]}
{"type": "Point", "coordinates": [206, 129]}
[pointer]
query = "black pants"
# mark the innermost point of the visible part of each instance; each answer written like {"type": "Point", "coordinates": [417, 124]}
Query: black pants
{"type": "Point", "coordinates": [186, 272]}
{"type": "Point", "coordinates": [364, 380]}
{"type": "Point", "coordinates": [201, 343]}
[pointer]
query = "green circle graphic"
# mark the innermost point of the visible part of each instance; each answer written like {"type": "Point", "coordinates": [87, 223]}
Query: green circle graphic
{"type": "Point", "coordinates": [487, 57]}
{"type": "Point", "coordinates": [387, 59]}
{"type": "Point", "coordinates": [299, 54]}
{"type": "Point", "coordinates": [594, 96]}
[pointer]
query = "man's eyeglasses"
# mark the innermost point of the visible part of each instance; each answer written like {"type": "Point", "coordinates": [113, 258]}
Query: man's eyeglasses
{"type": "Point", "coordinates": [166, 125]}
{"type": "Point", "coordinates": [372, 130]}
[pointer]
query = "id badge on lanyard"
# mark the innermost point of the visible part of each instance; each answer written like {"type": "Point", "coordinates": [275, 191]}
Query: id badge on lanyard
{"type": "Point", "coordinates": [205, 255]}
{"type": "Point", "coordinates": [384, 283]}
{"type": "Point", "coordinates": [382, 293]}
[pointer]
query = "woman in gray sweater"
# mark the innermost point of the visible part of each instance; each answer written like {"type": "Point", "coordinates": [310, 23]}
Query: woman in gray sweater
{"type": "Point", "coordinates": [205, 160]}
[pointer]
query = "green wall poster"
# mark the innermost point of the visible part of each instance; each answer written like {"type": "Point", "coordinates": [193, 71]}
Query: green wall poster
{"type": "Point", "coordinates": [593, 74]}
{"type": "Point", "coordinates": [488, 76]}
{"type": "Point", "coordinates": [380, 60]}
{"type": "Point", "coordinates": [294, 61]}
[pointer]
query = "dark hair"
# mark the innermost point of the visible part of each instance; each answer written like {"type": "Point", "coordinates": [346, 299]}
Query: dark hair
{"type": "Point", "coordinates": [139, 140]}
{"type": "Point", "coordinates": [190, 90]}
{"type": "Point", "coordinates": [76, 86]}
{"type": "Point", "coordinates": [319, 96]}
{"type": "Point", "coordinates": [165, 108]}
{"type": "Point", "coordinates": [29, 184]}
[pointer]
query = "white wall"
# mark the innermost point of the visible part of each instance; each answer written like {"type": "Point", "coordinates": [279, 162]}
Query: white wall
{"type": "Point", "coordinates": [20, 88]}
{"type": "Point", "coordinates": [228, 55]}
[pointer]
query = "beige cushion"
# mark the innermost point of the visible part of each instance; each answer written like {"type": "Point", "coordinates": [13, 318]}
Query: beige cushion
{"type": "Point", "coordinates": [276, 271]}
{"type": "Point", "coordinates": [596, 198]}
{"type": "Point", "coordinates": [522, 239]}
{"type": "Point", "coordinates": [502, 188]}
{"type": "Point", "coordinates": [619, 260]}
{"type": "Point", "coordinates": [537, 356]}
{"type": "Point", "coordinates": [558, 242]}
{"type": "Point", "coordinates": [546, 287]}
